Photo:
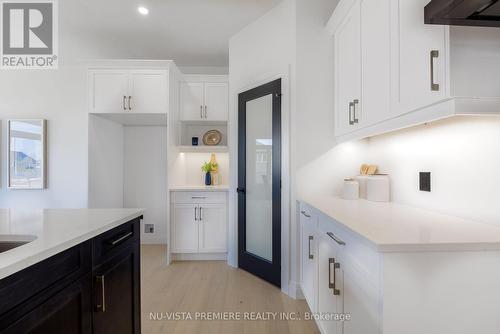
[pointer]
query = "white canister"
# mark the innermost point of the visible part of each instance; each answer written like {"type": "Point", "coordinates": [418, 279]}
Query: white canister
{"type": "Point", "coordinates": [362, 185]}
{"type": "Point", "coordinates": [378, 188]}
{"type": "Point", "coordinates": [351, 189]}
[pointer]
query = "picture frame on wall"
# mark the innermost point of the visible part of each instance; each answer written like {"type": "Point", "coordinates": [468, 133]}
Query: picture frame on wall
{"type": "Point", "coordinates": [27, 154]}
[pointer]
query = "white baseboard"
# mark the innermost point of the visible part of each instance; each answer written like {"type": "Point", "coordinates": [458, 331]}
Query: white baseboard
{"type": "Point", "coordinates": [199, 257]}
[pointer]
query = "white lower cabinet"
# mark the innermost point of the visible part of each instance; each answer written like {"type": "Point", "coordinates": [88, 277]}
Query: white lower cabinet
{"type": "Point", "coordinates": [198, 222]}
{"type": "Point", "coordinates": [212, 223]}
{"type": "Point", "coordinates": [432, 290]}
{"type": "Point", "coordinates": [185, 228]}
{"type": "Point", "coordinates": [329, 293]}
{"type": "Point", "coordinates": [359, 301]}
{"type": "Point", "coordinates": [309, 260]}
{"type": "Point", "coordinates": [340, 281]}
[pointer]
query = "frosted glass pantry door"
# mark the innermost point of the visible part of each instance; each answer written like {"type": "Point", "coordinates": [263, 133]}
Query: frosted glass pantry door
{"type": "Point", "coordinates": [259, 149]}
{"type": "Point", "coordinates": [259, 181]}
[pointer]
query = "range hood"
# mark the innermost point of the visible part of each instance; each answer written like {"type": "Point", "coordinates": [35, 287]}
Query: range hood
{"type": "Point", "coordinates": [484, 13]}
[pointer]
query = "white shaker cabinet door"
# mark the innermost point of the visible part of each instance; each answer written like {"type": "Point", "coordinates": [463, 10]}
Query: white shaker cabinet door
{"type": "Point", "coordinates": [419, 58]}
{"type": "Point", "coordinates": [328, 301]}
{"type": "Point", "coordinates": [359, 300]}
{"type": "Point", "coordinates": [108, 91]}
{"type": "Point", "coordinates": [213, 228]}
{"type": "Point", "coordinates": [309, 262]}
{"type": "Point", "coordinates": [192, 101]}
{"type": "Point", "coordinates": [185, 228]}
{"type": "Point", "coordinates": [148, 91]}
{"type": "Point", "coordinates": [348, 73]}
{"type": "Point", "coordinates": [376, 61]}
{"type": "Point", "coordinates": [216, 101]}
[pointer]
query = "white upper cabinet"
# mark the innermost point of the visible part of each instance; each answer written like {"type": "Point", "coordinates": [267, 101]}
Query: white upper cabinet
{"type": "Point", "coordinates": [216, 101]}
{"type": "Point", "coordinates": [204, 101]}
{"type": "Point", "coordinates": [348, 72]}
{"type": "Point", "coordinates": [375, 60]}
{"type": "Point", "coordinates": [128, 91]}
{"type": "Point", "coordinates": [362, 65]}
{"type": "Point", "coordinates": [108, 91]}
{"type": "Point", "coordinates": [421, 64]}
{"type": "Point", "coordinates": [192, 101]}
{"type": "Point", "coordinates": [394, 71]}
{"type": "Point", "coordinates": [148, 91]}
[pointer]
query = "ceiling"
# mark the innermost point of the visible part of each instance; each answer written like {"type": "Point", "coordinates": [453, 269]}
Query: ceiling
{"type": "Point", "coordinates": [191, 32]}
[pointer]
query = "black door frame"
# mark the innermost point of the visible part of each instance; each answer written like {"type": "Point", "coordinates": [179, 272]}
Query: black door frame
{"type": "Point", "coordinates": [269, 271]}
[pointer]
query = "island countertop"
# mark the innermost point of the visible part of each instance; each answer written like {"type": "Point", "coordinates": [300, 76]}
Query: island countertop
{"type": "Point", "coordinates": [393, 227]}
{"type": "Point", "coordinates": [55, 230]}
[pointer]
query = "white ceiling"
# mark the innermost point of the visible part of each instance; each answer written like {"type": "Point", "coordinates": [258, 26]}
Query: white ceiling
{"type": "Point", "coordinates": [191, 32]}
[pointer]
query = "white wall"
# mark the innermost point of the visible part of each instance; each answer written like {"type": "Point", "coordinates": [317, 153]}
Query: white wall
{"type": "Point", "coordinates": [145, 178]}
{"type": "Point", "coordinates": [105, 163]}
{"type": "Point", "coordinates": [60, 97]}
{"type": "Point", "coordinates": [261, 52]}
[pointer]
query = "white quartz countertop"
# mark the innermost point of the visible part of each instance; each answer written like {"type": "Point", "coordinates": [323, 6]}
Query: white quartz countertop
{"type": "Point", "coordinates": [200, 188]}
{"type": "Point", "coordinates": [395, 227]}
{"type": "Point", "coordinates": [56, 230]}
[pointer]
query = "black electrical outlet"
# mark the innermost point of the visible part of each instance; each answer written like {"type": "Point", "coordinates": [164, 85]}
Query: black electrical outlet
{"type": "Point", "coordinates": [425, 181]}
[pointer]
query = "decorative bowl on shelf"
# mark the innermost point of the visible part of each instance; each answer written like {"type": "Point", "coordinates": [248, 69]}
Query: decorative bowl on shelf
{"type": "Point", "coordinates": [212, 138]}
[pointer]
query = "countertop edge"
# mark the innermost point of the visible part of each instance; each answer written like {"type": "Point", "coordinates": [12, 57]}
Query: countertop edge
{"type": "Point", "coordinates": [412, 247]}
{"type": "Point", "coordinates": [45, 254]}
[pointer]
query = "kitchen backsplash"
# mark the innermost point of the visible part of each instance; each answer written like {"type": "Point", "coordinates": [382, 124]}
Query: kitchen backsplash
{"type": "Point", "coordinates": [461, 153]}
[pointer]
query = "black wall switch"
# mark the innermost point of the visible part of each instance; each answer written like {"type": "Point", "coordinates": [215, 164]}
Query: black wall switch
{"type": "Point", "coordinates": [425, 181]}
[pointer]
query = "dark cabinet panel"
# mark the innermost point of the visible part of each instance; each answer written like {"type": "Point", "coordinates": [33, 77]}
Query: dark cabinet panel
{"type": "Point", "coordinates": [65, 311]}
{"type": "Point", "coordinates": [117, 293]}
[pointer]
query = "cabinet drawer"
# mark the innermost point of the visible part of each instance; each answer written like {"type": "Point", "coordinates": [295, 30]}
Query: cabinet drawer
{"type": "Point", "coordinates": [112, 242]}
{"type": "Point", "coordinates": [60, 268]}
{"type": "Point", "coordinates": [357, 252]}
{"type": "Point", "coordinates": [308, 216]}
{"type": "Point", "coordinates": [198, 197]}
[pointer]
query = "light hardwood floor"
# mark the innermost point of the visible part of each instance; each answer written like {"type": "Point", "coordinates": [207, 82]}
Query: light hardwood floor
{"type": "Point", "coordinates": [211, 286]}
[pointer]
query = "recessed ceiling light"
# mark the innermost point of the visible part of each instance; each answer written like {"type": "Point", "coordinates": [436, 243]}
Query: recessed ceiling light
{"type": "Point", "coordinates": [143, 10]}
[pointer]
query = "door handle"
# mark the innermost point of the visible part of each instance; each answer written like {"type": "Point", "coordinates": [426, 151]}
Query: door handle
{"type": "Point", "coordinates": [311, 256]}
{"type": "Point", "coordinates": [241, 190]}
{"type": "Point", "coordinates": [201, 111]}
{"type": "Point", "coordinates": [124, 101]}
{"type": "Point", "coordinates": [332, 266]}
{"type": "Point", "coordinates": [303, 212]}
{"type": "Point", "coordinates": [195, 217]}
{"type": "Point", "coordinates": [205, 111]}
{"type": "Point", "coordinates": [354, 104]}
{"type": "Point", "coordinates": [336, 239]}
{"type": "Point", "coordinates": [351, 121]}
{"type": "Point", "coordinates": [201, 213]}
{"type": "Point", "coordinates": [434, 55]}
{"type": "Point", "coordinates": [101, 307]}
{"type": "Point", "coordinates": [129, 105]}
